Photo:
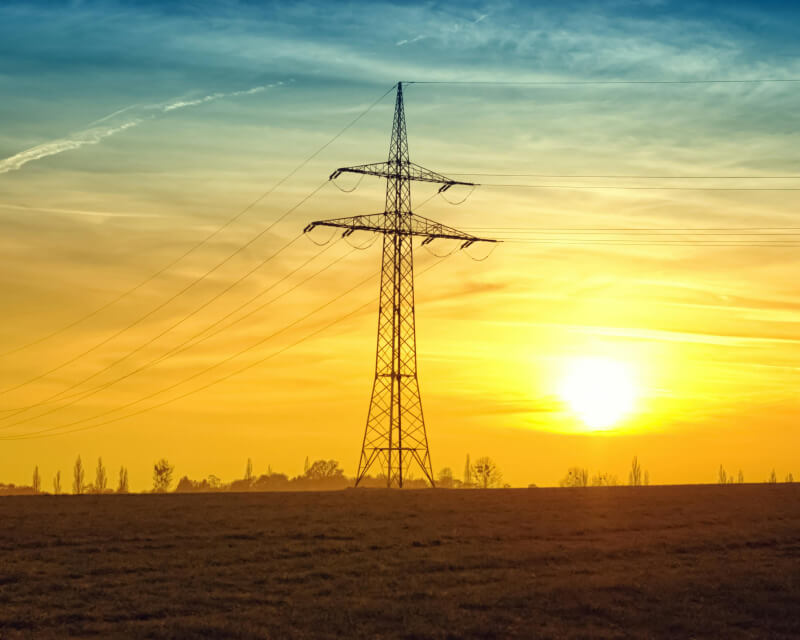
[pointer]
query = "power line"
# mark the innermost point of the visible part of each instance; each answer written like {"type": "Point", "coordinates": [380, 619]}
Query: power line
{"type": "Point", "coordinates": [623, 176]}
{"type": "Point", "coordinates": [672, 236]}
{"type": "Point", "coordinates": [727, 236]}
{"type": "Point", "coordinates": [523, 83]}
{"type": "Point", "coordinates": [216, 364]}
{"type": "Point", "coordinates": [180, 348]}
{"type": "Point", "coordinates": [160, 306]}
{"type": "Point", "coordinates": [634, 187]}
{"type": "Point", "coordinates": [604, 229]}
{"type": "Point", "coordinates": [55, 396]}
{"type": "Point", "coordinates": [205, 240]}
{"type": "Point", "coordinates": [676, 243]}
{"type": "Point", "coordinates": [50, 431]}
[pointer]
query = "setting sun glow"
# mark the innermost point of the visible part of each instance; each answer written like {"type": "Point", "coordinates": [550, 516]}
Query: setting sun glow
{"type": "Point", "coordinates": [600, 391]}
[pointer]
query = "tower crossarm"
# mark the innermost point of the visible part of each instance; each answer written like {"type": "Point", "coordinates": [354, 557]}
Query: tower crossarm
{"type": "Point", "coordinates": [398, 171]}
{"type": "Point", "coordinates": [384, 223]}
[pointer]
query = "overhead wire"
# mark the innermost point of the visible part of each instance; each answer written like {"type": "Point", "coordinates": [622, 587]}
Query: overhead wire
{"type": "Point", "coordinates": [443, 255]}
{"type": "Point", "coordinates": [204, 240]}
{"type": "Point", "coordinates": [114, 363]}
{"type": "Point", "coordinates": [492, 249]}
{"type": "Point", "coordinates": [522, 83]}
{"type": "Point", "coordinates": [169, 300]}
{"type": "Point", "coordinates": [463, 200]}
{"type": "Point", "coordinates": [676, 243]}
{"type": "Point", "coordinates": [50, 431]}
{"type": "Point", "coordinates": [632, 229]}
{"type": "Point", "coordinates": [631, 187]}
{"type": "Point", "coordinates": [190, 342]}
{"type": "Point", "coordinates": [355, 186]}
{"type": "Point", "coordinates": [648, 236]}
{"type": "Point", "coordinates": [623, 176]}
{"type": "Point", "coordinates": [320, 244]}
{"type": "Point", "coordinates": [551, 186]}
{"type": "Point", "coordinates": [213, 366]}
{"type": "Point", "coordinates": [708, 236]}
{"type": "Point", "coordinates": [366, 245]}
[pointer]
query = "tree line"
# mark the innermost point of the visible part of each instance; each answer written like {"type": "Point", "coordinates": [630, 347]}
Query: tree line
{"type": "Point", "coordinates": [579, 477]}
{"type": "Point", "coordinates": [322, 475]}
{"type": "Point", "coordinates": [637, 476]}
{"type": "Point", "coordinates": [319, 475]}
{"type": "Point", "coordinates": [79, 484]}
{"type": "Point", "coordinates": [723, 477]}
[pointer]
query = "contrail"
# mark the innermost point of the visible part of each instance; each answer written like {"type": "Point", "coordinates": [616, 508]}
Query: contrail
{"type": "Point", "coordinates": [111, 115]}
{"type": "Point", "coordinates": [94, 135]}
{"type": "Point", "coordinates": [78, 140]}
{"type": "Point", "coordinates": [180, 104]}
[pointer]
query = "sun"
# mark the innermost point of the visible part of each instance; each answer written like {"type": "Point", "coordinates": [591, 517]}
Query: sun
{"type": "Point", "coordinates": [600, 391]}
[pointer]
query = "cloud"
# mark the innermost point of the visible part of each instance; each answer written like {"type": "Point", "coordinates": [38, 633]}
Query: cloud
{"type": "Point", "coordinates": [401, 43]}
{"type": "Point", "coordinates": [78, 140]}
{"type": "Point", "coordinates": [78, 212]}
{"type": "Point", "coordinates": [137, 114]}
{"type": "Point", "coordinates": [180, 104]}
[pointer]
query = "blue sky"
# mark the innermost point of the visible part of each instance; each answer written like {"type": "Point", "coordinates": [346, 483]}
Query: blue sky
{"type": "Point", "coordinates": [130, 130]}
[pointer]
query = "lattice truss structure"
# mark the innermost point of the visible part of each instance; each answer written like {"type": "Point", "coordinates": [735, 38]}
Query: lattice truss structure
{"type": "Point", "coordinates": [395, 438]}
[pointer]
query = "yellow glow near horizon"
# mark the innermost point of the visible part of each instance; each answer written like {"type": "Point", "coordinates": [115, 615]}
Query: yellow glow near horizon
{"type": "Point", "coordinates": [600, 391]}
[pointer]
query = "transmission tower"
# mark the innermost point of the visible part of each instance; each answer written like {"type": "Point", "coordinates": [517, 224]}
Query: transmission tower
{"type": "Point", "coordinates": [395, 436]}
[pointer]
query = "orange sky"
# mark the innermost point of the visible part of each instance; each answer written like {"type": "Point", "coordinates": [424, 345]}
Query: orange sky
{"type": "Point", "coordinates": [709, 331]}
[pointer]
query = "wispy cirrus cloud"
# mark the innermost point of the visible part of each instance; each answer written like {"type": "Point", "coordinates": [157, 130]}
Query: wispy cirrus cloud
{"type": "Point", "coordinates": [76, 141]}
{"type": "Point", "coordinates": [402, 43]}
{"type": "Point", "coordinates": [134, 115]}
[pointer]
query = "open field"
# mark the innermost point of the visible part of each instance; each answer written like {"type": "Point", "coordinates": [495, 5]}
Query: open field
{"type": "Point", "coordinates": [672, 562]}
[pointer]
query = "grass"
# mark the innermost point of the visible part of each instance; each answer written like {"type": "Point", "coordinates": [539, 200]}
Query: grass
{"type": "Point", "coordinates": [700, 561]}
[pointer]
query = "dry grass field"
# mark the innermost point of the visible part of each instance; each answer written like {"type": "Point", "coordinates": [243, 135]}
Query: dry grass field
{"type": "Point", "coordinates": [668, 562]}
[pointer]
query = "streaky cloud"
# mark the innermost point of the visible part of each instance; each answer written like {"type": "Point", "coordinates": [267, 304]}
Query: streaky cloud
{"type": "Point", "coordinates": [78, 212]}
{"type": "Point", "coordinates": [402, 43]}
{"type": "Point", "coordinates": [113, 115]}
{"type": "Point", "coordinates": [137, 114]}
{"type": "Point", "coordinates": [78, 140]}
{"type": "Point", "coordinates": [180, 104]}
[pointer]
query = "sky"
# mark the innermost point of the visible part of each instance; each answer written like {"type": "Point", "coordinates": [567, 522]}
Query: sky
{"type": "Point", "coordinates": [129, 132]}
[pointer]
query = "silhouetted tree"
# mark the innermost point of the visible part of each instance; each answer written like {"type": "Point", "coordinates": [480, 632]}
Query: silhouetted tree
{"type": "Point", "coordinates": [445, 478]}
{"type": "Point", "coordinates": [100, 477]}
{"type": "Point", "coordinates": [485, 473]}
{"type": "Point", "coordinates": [604, 480]}
{"type": "Point", "coordinates": [271, 482]}
{"type": "Point", "coordinates": [122, 485]}
{"type": "Point", "coordinates": [162, 476]}
{"type": "Point", "coordinates": [635, 475]}
{"type": "Point", "coordinates": [185, 485]}
{"type": "Point", "coordinates": [576, 477]}
{"type": "Point", "coordinates": [246, 483]}
{"type": "Point", "coordinates": [306, 466]}
{"type": "Point", "coordinates": [789, 477]}
{"type": "Point", "coordinates": [773, 478]}
{"type": "Point", "coordinates": [57, 483]}
{"type": "Point", "coordinates": [740, 477]}
{"type": "Point", "coordinates": [37, 480]}
{"type": "Point", "coordinates": [78, 475]}
{"type": "Point", "coordinates": [722, 477]}
{"type": "Point", "coordinates": [213, 482]}
{"type": "Point", "coordinates": [467, 473]}
{"type": "Point", "coordinates": [324, 470]}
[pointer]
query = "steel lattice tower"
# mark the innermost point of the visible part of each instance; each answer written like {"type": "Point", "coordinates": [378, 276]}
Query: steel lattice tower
{"type": "Point", "coordinates": [395, 437]}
